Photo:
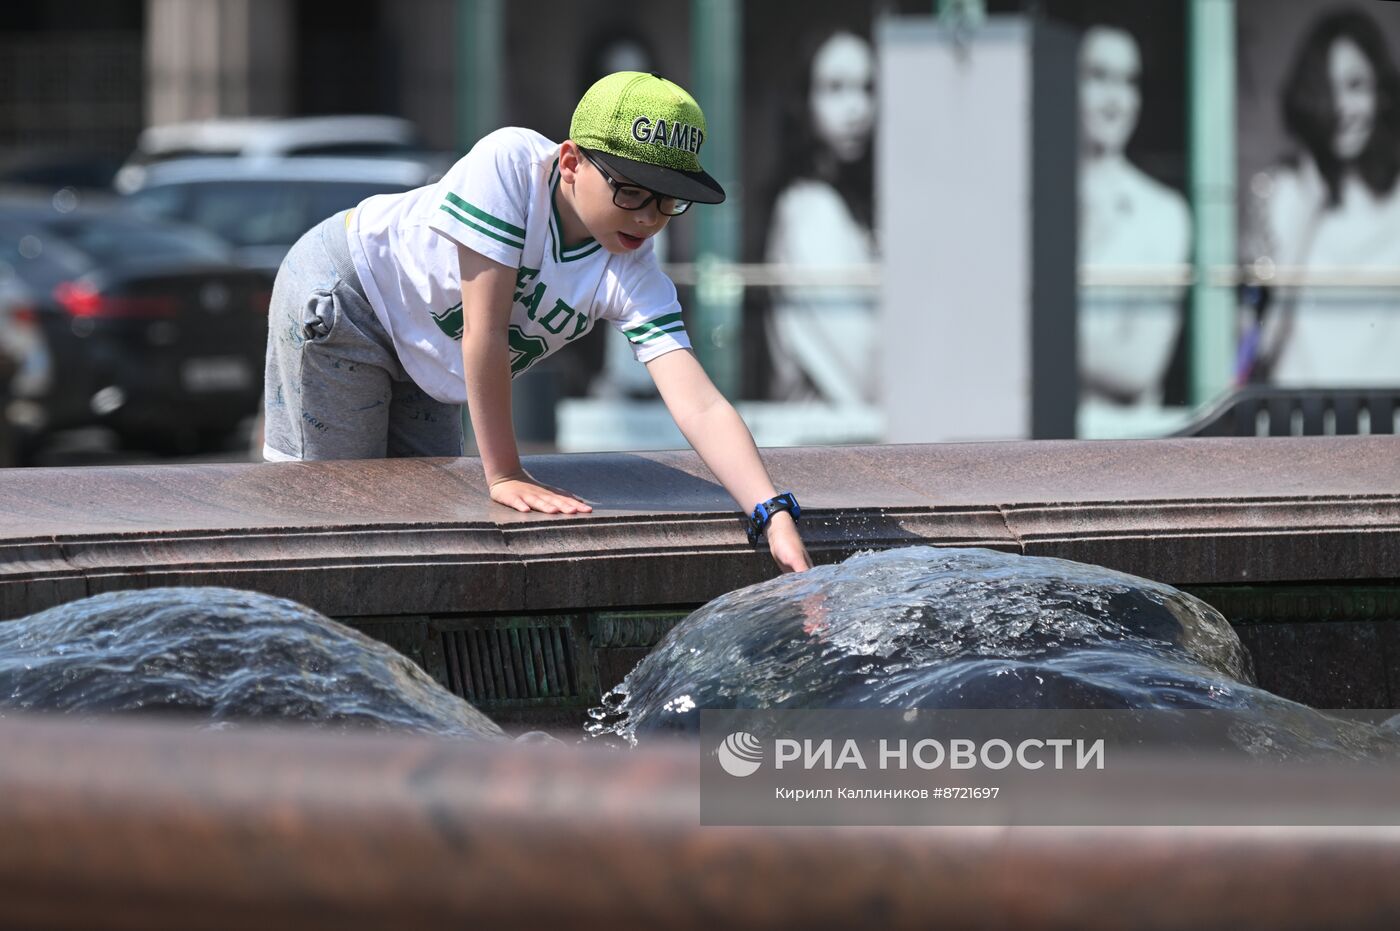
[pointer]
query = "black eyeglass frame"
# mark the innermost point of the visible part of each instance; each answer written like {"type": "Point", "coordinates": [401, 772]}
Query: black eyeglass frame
{"type": "Point", "coordinates": [618, 186]}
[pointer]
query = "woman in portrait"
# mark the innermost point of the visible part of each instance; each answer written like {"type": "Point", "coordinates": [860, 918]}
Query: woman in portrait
{"type": "Point", "coordinates": [1129, 222]}
{"type": "Point", "coordinates": [1332, 205]}
{"type": "Point", "coordinates": [822, 338]}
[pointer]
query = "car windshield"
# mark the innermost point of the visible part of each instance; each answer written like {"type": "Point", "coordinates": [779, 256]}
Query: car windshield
{"type": "Point", "coordinates": [37, 257]}
{"type": "Point", "coordinates": [257, 213]}
{"type": "Point", "coordinates": [117, 239]}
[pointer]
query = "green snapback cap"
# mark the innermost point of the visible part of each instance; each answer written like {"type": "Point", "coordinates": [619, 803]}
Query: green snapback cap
{"type": "Point", "coordinates": [650, 131]}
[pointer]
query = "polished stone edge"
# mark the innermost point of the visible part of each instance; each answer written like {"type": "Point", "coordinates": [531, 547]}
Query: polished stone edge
{"type": "Point", "coordinates": [132, 824]}
{"type": "Point", "coordinates": [688, 559]}
{"type": "Point", "coordinates": [234, 525]}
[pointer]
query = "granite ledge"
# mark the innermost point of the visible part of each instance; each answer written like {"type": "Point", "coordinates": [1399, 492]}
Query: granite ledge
{"type": "Point", "coordinates": [420, 536]}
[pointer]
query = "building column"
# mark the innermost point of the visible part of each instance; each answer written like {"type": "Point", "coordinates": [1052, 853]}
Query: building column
{"type": "Point", "coordinates": [1211, 38]}
{"type": "Point", "coordinates": [715, 326]}
{"type": "Point", "coordinates": [424, 32]}
{"type": "Point", "coordinates": [207, 58]}
{"type": "Point", "coordinates": [479, 68]}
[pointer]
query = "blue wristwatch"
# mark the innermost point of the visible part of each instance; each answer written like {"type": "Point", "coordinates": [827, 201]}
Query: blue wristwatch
{"type": "Point", "coordinates": [757, 522]}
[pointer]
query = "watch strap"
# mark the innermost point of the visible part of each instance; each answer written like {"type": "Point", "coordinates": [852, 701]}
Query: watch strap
{"type": "Point", "coordinates": [758, 521]}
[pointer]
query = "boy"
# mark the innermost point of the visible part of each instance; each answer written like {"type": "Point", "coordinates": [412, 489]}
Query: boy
{"type": "Point", "coordinates": [386, 318]}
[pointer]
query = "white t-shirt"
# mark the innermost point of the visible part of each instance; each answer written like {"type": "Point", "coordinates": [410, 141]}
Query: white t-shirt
{"type": "Point", "coordinates": [1343, 337]}
{"type": "Point", "coordinates": [498, 200]}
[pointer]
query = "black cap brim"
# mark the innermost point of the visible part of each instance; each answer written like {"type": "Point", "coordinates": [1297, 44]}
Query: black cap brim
{"type": "Point", "coordinates": [694, 186]}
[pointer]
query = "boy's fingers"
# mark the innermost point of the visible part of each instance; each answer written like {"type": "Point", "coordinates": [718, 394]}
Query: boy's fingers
{"type": "Point", "coordinates": [513, 501]}
{"type": "Point", "coordinates": [545, 500]}
{"type": "Point", "coordinates": [790, 560]}
{"type": "Point", "coordinates": [571, 498]}
{"type": "Point", "coordinates": [568, 503]}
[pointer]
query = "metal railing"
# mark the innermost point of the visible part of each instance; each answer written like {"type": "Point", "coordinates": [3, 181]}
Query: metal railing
{"type": "Point", "coordinates": [1260, 273]}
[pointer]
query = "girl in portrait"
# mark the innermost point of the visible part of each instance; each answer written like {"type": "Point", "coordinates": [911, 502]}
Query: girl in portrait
{"type": "Point", "coordinates": [822, 338]}
{"type": "Point", "coordinates": [1129, 221]}
{"type": "Point", "coordinates": [1330, 206]}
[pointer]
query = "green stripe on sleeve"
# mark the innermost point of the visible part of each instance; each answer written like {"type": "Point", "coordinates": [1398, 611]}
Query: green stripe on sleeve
{"type": "Point", "coordinates": [641, 328]}
{"type": "Point", "coordinates": [481, 229]}
{"type": "Point", "coordinates": [660, 331]}
{"type": "Point", "coordinates": [485, 217]}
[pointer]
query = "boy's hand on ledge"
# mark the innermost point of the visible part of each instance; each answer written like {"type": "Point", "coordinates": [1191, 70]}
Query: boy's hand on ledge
{"type": "Point", "coordinates": [785, 543]}
{"type": "Point", "coordinates": [525, 494]}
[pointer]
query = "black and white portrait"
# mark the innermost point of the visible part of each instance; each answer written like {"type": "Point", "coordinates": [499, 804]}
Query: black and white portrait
{"type": "Point", "coordinates": [811, 120]}
{"type": "Point", "coordinates": [815, 211]}
{"type": "Point", "coordinates": [1134, 218]}
{"type": "Point", "coordinates": [1128, 221]}
{"type": "Point", "coordinates": [1319, 162]}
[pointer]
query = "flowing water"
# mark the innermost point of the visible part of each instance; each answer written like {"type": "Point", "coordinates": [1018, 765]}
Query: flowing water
{"type": "Point", "coordinates": [926, 628]}
{"type": "Point", "coordinates": [220, 655]}
{"type": "Point", "coordinates": [912, 628]}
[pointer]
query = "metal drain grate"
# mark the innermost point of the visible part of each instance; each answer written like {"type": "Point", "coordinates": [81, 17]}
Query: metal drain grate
{"type": "Point", "coordinates": [505, 663]}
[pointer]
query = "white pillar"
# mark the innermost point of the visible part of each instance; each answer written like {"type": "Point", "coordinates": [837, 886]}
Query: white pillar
{"type": "Point", "coordinates": [976, 180]}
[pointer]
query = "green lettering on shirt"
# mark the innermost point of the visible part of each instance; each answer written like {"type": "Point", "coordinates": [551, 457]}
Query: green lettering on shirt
{"type": "Point", "coordinates": [523, 276]}
{"type": "Point", "coordinates": [559, 308]}
{"type": "Point", "coordinates": [524, 350]}
{"type": "Point", "coordinates": [532, 303]}
{"type": "Point", "coordinates": [450, 321]}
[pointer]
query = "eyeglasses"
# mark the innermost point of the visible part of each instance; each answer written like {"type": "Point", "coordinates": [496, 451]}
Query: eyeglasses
{"type": "Point", "coordinates": [633, 197]}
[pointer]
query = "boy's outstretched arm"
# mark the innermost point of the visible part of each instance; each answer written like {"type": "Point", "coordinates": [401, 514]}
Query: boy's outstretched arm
{"type": "Point", "coordinates": [487, 289]}
{"type": "Point", "coordinates": [717, 432]}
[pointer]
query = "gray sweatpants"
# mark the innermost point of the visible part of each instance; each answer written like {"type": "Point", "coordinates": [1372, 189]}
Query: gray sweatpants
{"type": "Point", "coordinates": [334, 387]}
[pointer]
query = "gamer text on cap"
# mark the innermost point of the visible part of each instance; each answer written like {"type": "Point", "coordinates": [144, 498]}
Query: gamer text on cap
{"type": "Point", "coordinates": [676, 135]}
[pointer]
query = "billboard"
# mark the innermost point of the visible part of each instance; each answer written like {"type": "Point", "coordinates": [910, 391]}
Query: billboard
{"type": "Point", "coordinates": [1318, 162]}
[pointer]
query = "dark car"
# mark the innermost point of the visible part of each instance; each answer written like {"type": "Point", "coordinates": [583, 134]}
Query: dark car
{"type": "Point", "coordinates": [52, 170]}
{"type": "Point", "coordinates": [149, 327]}
{"type": "Point", "coordinates": [261, 206]}
{"type": "Point", "coordinates": [27, 365]}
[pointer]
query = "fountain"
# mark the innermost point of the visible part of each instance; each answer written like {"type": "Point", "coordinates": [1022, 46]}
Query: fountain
{"type": "Point", "coordinates": [533, 618]}
{"type": "Point", "coordinates": [218, 656]}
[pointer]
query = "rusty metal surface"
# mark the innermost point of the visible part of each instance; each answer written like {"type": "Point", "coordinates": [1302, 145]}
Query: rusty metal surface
{"type": "Point", "coordinates": [123, 825]}
{"type": "Point", "coordinates": [420, 536]}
